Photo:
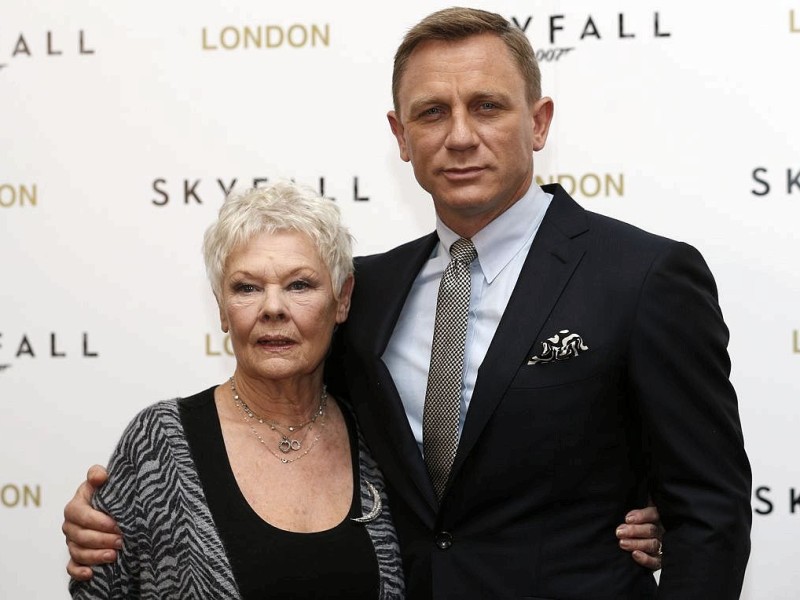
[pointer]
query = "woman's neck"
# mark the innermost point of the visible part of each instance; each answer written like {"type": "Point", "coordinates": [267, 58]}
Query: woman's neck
{"type": "Point", "coordinates": [287, 401]}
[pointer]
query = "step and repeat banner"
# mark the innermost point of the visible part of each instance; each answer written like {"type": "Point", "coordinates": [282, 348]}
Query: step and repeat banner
{"type": "Point", "coordinates": [124, 124]}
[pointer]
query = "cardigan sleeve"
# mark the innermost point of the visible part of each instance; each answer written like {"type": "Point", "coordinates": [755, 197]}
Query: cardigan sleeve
{"type": "Point", "coordinates": [171, 548]}
{"type": "Point", "coordinates": [119, 498]}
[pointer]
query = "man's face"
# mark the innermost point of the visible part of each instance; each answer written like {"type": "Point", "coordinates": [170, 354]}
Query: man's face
{"type": "Point", "coordinates": [467, 127]}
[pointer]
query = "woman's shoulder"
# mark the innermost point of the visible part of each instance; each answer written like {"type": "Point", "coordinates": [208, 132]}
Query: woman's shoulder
{"type": "Point", "coordinates": [168, 411]}
{"type": "Point", "coordinates": [162, 420]}
{"type": "Point", "coordinates": [198, 400]}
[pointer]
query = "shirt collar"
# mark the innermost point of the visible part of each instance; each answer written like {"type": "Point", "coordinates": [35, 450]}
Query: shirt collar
{"type": "Point", "coordinates": [503, 238]}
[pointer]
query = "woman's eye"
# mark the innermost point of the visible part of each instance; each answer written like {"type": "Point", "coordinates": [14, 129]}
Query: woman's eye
{"type": "Point", "coordinates": [299, 285]}
{"type": "Point", "coordinates": [245, 288]}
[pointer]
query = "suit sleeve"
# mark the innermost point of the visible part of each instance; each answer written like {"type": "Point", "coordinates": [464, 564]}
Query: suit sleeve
{"type": "Point", "coordinates": [699, 472]}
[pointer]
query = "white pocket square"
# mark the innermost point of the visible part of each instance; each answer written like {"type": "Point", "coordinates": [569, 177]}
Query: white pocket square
{"type": "Point", "coordinates": [563, 345]}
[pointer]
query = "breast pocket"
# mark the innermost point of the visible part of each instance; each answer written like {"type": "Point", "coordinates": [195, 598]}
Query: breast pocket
{"type": "Point", "coordinates": [587, 365]}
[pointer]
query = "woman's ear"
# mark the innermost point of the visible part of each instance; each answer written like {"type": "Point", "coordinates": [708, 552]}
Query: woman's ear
{"type": "Point", "coordinates": [345, 294]}
{"type": "Point", "coordinates": [223, 318]}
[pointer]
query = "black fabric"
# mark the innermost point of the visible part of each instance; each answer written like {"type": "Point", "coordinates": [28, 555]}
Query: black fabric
{"type": "Point", "coordinates": [268, 562]}
{"type": "Point", "coordinates": [552, 456]}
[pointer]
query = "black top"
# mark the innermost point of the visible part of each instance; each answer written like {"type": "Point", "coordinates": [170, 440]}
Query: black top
{"type": "Point", "coordinates": [268, 562]}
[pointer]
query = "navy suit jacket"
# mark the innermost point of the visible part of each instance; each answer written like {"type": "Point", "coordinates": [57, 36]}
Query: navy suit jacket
{"type": "Point", "coordinates": [553, 454]}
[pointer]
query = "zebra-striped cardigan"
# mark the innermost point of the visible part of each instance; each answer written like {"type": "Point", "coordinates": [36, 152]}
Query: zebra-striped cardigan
{"type": "Point", "coordinates": [171, 547]}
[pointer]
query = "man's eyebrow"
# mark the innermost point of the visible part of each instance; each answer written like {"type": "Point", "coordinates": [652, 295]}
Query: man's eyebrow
{"type": "Point", "coordinates": [423, 102]}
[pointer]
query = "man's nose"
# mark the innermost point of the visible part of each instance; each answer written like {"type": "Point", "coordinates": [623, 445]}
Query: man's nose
{"type": "Point", "coordinates": [462, 134]}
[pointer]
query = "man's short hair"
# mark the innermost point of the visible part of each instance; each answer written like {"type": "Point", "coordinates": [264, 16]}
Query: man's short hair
{"type": "Point", "coordinates": [454, 24]}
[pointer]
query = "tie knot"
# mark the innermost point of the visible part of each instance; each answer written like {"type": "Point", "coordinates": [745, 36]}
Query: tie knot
{"type": "Point", "coordinates": [463, 250]}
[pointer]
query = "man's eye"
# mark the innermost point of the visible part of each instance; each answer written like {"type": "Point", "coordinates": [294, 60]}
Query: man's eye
{"type": "Point", "coordinates": [434, 111]}
{"type": "Point", "coordinates": [488, 105]}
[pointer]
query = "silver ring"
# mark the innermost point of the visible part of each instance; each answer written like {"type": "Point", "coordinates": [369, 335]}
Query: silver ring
{"type": "Point", "coordinates": [660, 551]}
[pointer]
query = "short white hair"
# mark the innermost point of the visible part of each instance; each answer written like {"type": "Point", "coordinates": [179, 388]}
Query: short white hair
{"type": "Point", "coordinates": [279, 206]}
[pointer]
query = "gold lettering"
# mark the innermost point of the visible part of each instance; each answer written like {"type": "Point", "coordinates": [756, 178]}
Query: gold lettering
{"type": "Point", "coordinates": [8, 195]}
{"type": "Point", "coordinates": [584, 188]}
{"type": "Point", "coordinates": [796, 340]}
{"type": "Point", "coordinates": [209, 351]}
{"type": "Point", "coordinates": [12, 496]}
{"type": "Point", "coordinates": [253, 35]}
{"type": "Point", "coordinates": [25, 194]}
{"type": "Point", "coordinates": [270, 29]}
{"type": "Point", "coordinates": [792, 27]}
{"type": "Point", "coordinates": [588, 184]}
{"type": "Point", "coordinates": [323, 36]}
{"type": "Point", "coordinates": [9, 495]}
{"type": "Point", "coordinates": [236, 38]}
{"type": "Point", "coordinates": [293, 39]}
{"type": "Point", "coordinates": [619, 185]}
{"type": "Point", "coordinates": [205, 41]}
{"type": "Point", "coordinates": [268, 36]}
{"type": "Point", "coordinates": [227, 347]}
{"type": "Point", "coordinates": [30, 496]}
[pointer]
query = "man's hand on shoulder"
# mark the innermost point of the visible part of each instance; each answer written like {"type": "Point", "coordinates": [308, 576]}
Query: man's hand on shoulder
{"type": "Point", "coordinates": [92, 536]}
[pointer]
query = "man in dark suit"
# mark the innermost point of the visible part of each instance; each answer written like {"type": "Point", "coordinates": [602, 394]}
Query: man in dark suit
{"type": "Point", "coordinates": [594, 369]}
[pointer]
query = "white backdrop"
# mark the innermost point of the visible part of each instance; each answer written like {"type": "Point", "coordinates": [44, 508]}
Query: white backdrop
{"type": "Point", "coordinates": [121, 123]}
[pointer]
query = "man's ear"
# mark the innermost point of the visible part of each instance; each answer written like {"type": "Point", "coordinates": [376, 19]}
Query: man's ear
{"type": "Point", "coordinates": [399, 134]}
{"type": "Point", "coordinates": [541, 117]}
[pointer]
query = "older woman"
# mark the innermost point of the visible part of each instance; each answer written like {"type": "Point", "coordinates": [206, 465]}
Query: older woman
{"type": "Point", "coordinates": [259, 486]}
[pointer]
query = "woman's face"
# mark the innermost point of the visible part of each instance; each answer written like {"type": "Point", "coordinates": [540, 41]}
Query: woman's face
{"type": "Point", "coordinates": [278, 306]}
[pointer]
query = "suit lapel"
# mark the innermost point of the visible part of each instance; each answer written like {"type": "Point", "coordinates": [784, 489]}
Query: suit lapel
{"type": "Point", "coordinates": [554, 255]}
{"type": "Point", "coordinates": [391, 286]}
{"type": "Point", "coordinates": [399, 269]}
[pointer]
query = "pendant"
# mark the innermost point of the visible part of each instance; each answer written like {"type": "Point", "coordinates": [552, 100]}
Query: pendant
{"type": "Point", "coordinates": [286, 445]}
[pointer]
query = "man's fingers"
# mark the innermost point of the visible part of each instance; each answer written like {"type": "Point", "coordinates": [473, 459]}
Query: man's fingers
{"type": "Point", "coordinates": [78, 514]}
{"type": "Point", "coordinates": [650, 545]}
{"type": "Point", "coordinates": [78, 572]}
{"type": "Point", "coordinates": [90, 539]}
{"type": "Point", "coordinates": [644, 531]}
{"type": "Point", "coordinates": [96, 476]}
{"type": "Point", "coordinates": [84, 558]}
{"type": "Point", "coordinates": [648, 514]}
{"type": "Point", "coordinates": [644, 552]}
{"type": "Point", "coordinates": [651, 562]}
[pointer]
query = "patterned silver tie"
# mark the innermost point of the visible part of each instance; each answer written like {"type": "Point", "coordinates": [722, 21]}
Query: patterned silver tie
{"type": "Point", "coordinates": [443, 395]}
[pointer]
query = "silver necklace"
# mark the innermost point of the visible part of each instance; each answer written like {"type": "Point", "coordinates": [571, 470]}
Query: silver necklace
{"type": "Point", "coordinates": [289, 441]}
{"type": "Point", "coordinates": [285, 445]}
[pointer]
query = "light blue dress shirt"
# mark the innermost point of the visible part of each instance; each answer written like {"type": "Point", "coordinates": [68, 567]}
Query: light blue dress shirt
{"type": "Point", "coordinates": [502, 248]}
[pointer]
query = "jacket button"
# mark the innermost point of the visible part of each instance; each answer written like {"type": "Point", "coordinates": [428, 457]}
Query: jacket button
{"type": "Point", "coordinates": [444, 540]}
